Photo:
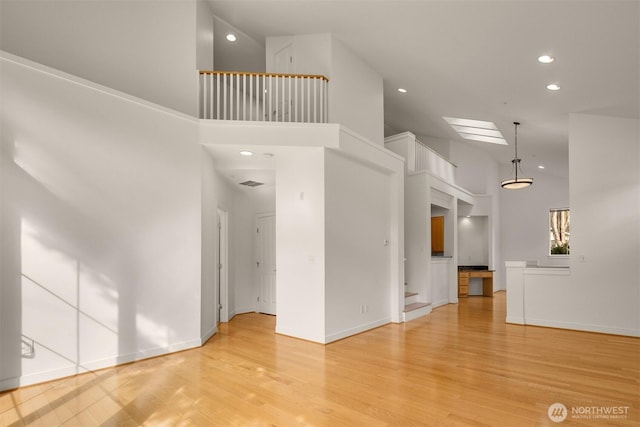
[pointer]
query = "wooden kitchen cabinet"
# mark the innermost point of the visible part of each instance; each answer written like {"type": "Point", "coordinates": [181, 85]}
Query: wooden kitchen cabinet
{"type": "Point", "coordinates": [437, 235]}
{"type": "Point", "coordinates": [463, 284]}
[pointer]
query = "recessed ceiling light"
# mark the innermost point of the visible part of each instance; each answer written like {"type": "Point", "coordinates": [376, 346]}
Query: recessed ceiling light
{"type": "Point", "coordinates": [553, 86]}
{"type": "Point", "coordinates": [402, 90]}
{"type": "Point", "coordinates": [231, 37]}
{"type": "Point", "coordinates": [546, 59]}
{"type": "Point", "coordinates": [246, 153]}
{"type": "Point", "coordinates": [540, 166]}
{"type": "Point", "coordinates": [476, 130]}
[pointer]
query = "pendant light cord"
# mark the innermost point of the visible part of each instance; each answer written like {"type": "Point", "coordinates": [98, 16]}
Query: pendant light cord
{"type": "Point", "coordinates": [516, 160]}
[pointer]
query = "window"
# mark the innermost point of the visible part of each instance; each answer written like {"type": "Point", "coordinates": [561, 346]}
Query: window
{"type": "Point", "coordinates": [559, 231]}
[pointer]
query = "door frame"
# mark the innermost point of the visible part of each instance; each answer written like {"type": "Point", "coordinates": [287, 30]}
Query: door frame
{"type": "Point", "coordinates": [257, 251]}
{"type": "Point", "coordinates": [222, 266]}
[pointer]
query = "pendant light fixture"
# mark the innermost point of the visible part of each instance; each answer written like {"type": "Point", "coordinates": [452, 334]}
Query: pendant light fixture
{"type": "Point", "coordinates": [517, 182]}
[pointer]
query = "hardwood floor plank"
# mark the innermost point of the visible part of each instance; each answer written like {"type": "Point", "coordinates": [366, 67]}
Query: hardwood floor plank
{"type": "Point", "coordinates": [461, 365]}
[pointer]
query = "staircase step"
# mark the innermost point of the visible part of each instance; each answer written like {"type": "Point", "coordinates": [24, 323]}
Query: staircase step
{"type": "Point", "coordinates": [415, 310]}
{"type": "Point", "coordinates": [410, 298]}
{"type": "Point", "coordinates": [415, 306]}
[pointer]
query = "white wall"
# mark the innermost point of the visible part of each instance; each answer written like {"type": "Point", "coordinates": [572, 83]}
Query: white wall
{"type": "Point", "coordinates": [356, 98]}
{"type": "Point", "coordinates": [440, 270]}
{"type": "Point", "coordinates": [439, 145]}
{"type": "Point", "coordinates": [475, 170]}
{"type": "Point", "coordinates": [604, 168]}
{"type": "Point", "coordinates": [357, 224]}
{"type": "Point", "coordinates": [473, 240]}
{"type": "Point", "coordinates": [101, 226]}
{"type": "Point", "coordinates": [217, 193]}
{"type": "Point", "coordinates": [103, 41]}
{"type": "Point", "coordinates": [355, 89]}
{"type": "Point", "coordinates": [208, 295]}
{"type": "Point", "coordinates": [245, 54]}
{"type": "Point", "coordinates": [300, 244]}
{"type": "Point", "coordinates": [418, 234]}
{"type": "Point", "coordinates": [311, 53]}
{"type": "Point", "coordinates": [524, 221]}
{"type": "Point", "coordinates": [204, 35]}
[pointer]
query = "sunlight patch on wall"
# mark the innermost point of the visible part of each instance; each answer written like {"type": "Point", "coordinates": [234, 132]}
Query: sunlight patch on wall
{"type": "Point", "coordinates": [68, 312]}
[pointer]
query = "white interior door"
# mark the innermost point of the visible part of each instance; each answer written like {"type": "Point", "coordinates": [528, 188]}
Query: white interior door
{"type": "Point", "coordinates": [283, 60]}
{"type": "Point", "coordinates": [266, 264]}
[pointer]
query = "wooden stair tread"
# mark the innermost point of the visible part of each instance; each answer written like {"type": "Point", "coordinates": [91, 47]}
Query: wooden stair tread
{"type": "Point", "coordinates": [415, 306]}
{"type": "Point", "coordinates": [409, 294]}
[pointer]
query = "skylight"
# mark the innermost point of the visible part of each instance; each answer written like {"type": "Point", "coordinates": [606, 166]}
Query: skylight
{"type": "Point", "coordinates": [477, 130]}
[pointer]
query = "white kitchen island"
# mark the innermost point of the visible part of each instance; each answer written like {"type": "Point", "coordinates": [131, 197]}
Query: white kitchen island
{"type": "Point", "coordinates": [535, 294]}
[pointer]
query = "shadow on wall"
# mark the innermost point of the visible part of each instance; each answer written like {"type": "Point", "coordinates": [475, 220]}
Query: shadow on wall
{"type": "Point", "coordinates": [69, 294]}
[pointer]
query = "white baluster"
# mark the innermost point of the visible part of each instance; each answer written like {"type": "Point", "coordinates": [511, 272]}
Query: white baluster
{"type": "Point", "coordinates": [217, 77]}
{"type": "Point", "coordinates": [295, 99]}
{"type": "Point", "coordinates": [322, 101]}
{"type": "Point", "coordinates": [202, 96]}
{"type": "Point", "coordinates": [224, 97]}
{"type": "Point", "coordinates": [289, 98]}
{"type": "Point", "coordinates": [210, 77]}
{"type": "Point", "coordinates": [283, 102]}
{"type": "Point", "coordinates": [276, 92]}
{"type": "Point", "coordinates": [315, 100]}
{"type": "Point", "coordinates": [250, 96]}
{"type": "Point", "coordinates": [308, 101]}
{"type": "Point", "coordinates": [237, 89]}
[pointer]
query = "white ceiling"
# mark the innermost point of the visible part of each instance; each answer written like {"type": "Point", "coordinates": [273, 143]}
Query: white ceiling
{"type": "Point", "coordinates": [476, 60]}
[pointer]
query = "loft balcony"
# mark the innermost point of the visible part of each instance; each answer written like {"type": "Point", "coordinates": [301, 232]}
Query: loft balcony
{"type": "Point", "coordinates": [263, 97]}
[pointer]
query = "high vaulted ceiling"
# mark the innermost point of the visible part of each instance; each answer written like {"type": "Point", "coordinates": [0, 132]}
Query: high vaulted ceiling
{"type": "Point", "coordinates": [478, 60]}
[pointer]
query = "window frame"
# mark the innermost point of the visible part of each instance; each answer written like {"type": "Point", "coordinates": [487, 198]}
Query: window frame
{"type": "Point", "coordinates": [566, 238]}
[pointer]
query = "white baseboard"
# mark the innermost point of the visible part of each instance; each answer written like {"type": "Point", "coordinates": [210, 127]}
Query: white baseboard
{"type": "Point", "coordinates": [583, 327]}
{"type": "Point", "coordinates": [440, 303]}
{"type": "Point", "coordinates": [211, 332]}
{"type": "Point", "coordinates": [516, 320]}
{"type": "Point", "coordinates": [295, 334]}
{"type": "Point", "coordinates": [54, 374]}
{"type": "Point", "coordinates": [242, 310]}
{"type": "Point", "coordinates": [355, 330]}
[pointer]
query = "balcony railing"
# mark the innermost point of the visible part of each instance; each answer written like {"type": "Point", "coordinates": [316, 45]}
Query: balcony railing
{"type": "Point", "coordinates": [263, 97]}
{"type": "Point", "coordinates": [428, 160]}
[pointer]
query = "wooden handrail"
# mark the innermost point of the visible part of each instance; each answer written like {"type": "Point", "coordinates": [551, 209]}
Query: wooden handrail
{"type": "Point", "coordinates": [245, 73]}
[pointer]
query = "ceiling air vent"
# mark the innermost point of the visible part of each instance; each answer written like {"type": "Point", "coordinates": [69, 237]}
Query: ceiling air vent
{"type": "Point", "coordinates": [252, 183]}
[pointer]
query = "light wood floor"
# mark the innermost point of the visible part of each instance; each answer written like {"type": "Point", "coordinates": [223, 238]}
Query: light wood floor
{"type": "Point", "coordinates": [461, 365]}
